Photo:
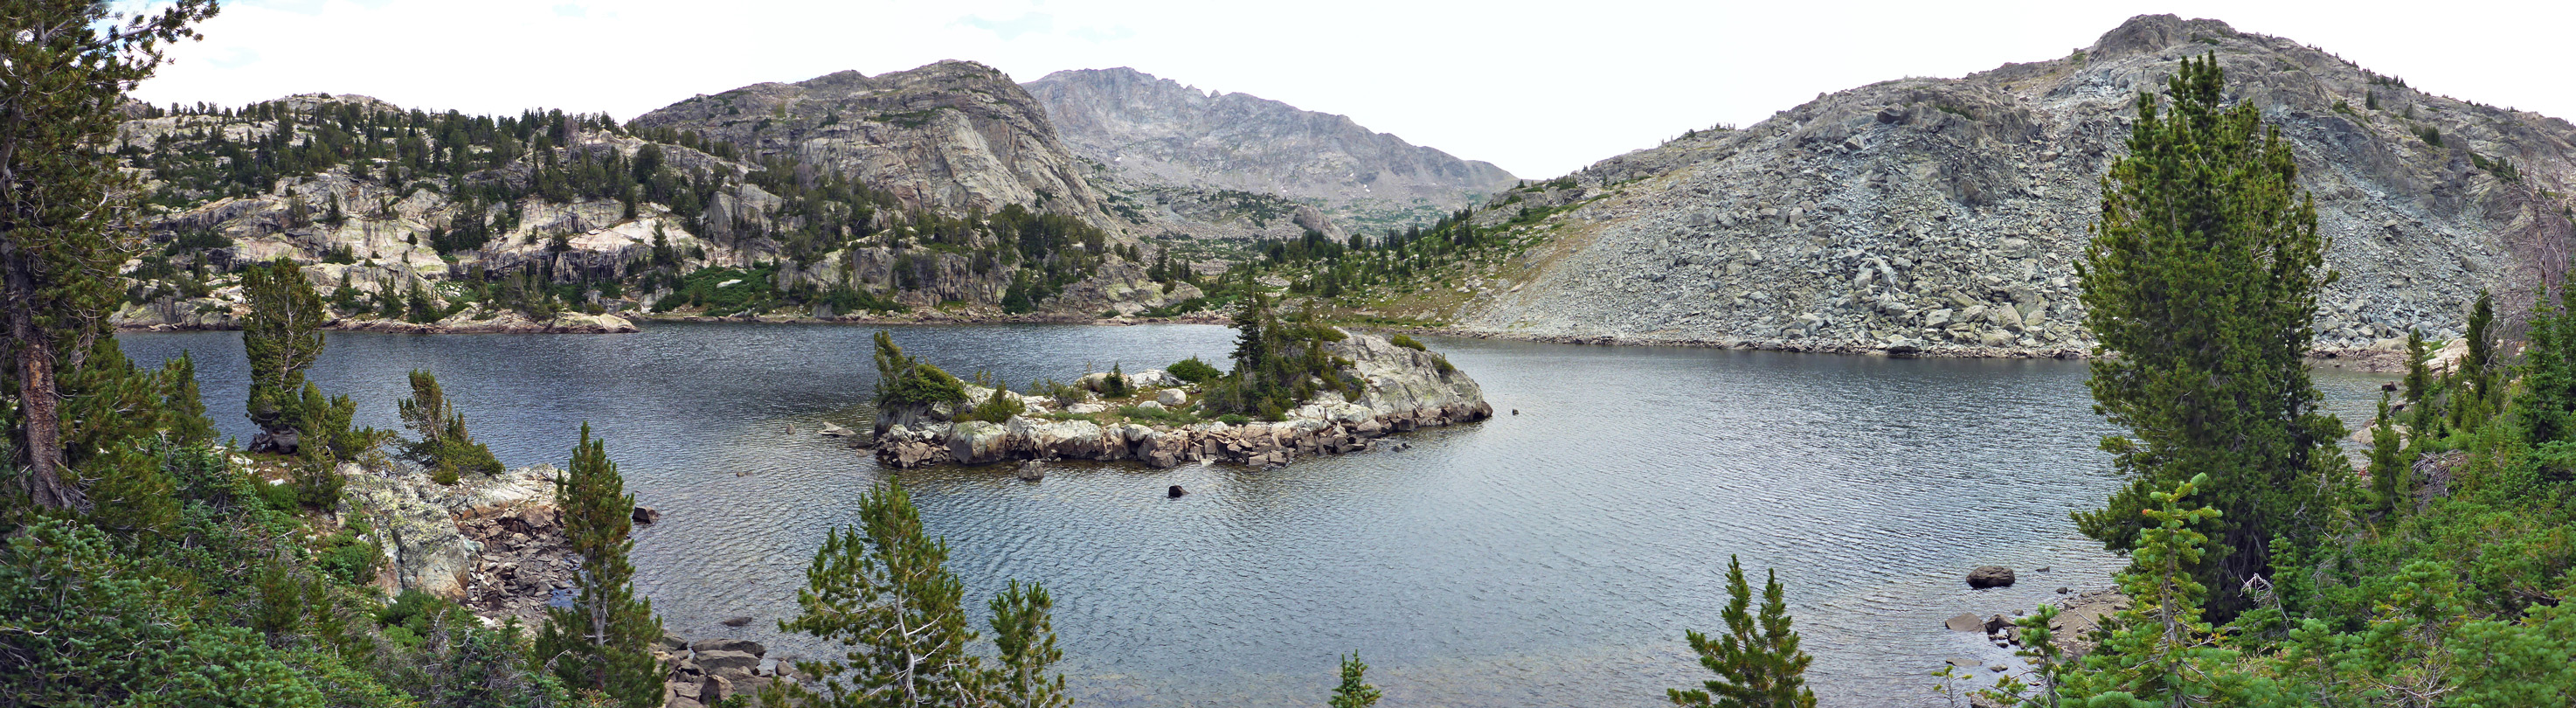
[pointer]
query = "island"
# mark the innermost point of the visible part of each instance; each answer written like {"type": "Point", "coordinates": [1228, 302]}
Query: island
{"type": "Point", "coordinates": [1304, 390]}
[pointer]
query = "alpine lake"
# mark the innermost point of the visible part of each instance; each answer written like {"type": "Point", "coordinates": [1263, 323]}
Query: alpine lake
{"type": "Point", "coordinates": [1551, 556]}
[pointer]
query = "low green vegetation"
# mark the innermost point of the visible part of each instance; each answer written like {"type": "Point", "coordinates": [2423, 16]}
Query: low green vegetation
{"type": "Point", "coordinates": [1278, 364]}
{"type": "Point", "coordinates": [905, 381]}
{"type": "Point", "coordinates": [1194, 371]}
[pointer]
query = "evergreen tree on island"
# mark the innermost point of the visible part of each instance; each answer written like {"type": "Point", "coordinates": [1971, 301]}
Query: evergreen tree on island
{"type": "Point", "coordinates": [2201, 283]}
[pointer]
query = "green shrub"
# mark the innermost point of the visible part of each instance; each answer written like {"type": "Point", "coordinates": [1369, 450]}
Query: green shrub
{"type": "Point", "coordinates": [1408, 342]}
{"type": "Point", "coordinates": [1194, 371]}
{"type": "Point", "coordinates": [997, 408]}
{"type": "Point", "coordinates": [903, 380]}
{"type": "Point", "coordinates": [1115, 384]}
{"type": "Point", "coordinates": [1233, 419]}
{"type": "Point", "coordinates": [1158, 416]}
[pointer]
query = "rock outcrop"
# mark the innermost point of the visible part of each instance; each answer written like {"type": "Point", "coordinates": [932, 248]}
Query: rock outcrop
{"type": "Point", "coordinates": [489, 542]}
{"type": "Point", "coordinates": [1404, 389]}
{"type": "Point", "coordinates": [1945, 216]}
{"type": "Point", "coordinates": [1163, 137]}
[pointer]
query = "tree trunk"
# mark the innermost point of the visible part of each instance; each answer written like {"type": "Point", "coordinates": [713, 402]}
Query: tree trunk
{"type": "Point", "coordinates": [40, 434]}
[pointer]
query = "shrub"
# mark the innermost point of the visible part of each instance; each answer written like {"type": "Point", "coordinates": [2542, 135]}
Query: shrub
{"type": "Point", "coordinates": [1194, 371]}
{"type": "Point", "coordinates": [997, 408]}
{"type": "Point", "coordinates": [1232, 419]}
{"type": "Point", "coordinates": [1408, 342]}
{"type": "Point", "coordinates": [903, 380]}
{"type": "Point", "coordinates": [1115, 384]}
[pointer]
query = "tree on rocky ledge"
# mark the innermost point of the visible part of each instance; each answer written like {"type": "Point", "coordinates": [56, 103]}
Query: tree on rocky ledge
{"type": "Point", "coordinates": [65, 66]}
{"type": "Point", "coordinates": [2201, 283]}
{"type": "Point", "coordinates": [282, 336]}
{"type": "Point", "coordinates": [444, 447]}
{"type": "Point", "coordinates": [603, 641]}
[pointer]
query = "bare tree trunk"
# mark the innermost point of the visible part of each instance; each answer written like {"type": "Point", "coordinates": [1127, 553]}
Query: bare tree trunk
{"type": "Point", "coordinates": [40, 444]}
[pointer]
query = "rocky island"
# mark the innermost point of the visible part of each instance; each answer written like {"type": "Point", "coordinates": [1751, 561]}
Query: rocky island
{"type": "Point", "coordinates": [1364, 387]}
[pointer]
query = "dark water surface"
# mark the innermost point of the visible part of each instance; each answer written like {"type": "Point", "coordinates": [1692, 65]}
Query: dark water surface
{"type": "Point", "coordinates": [1550, 558]}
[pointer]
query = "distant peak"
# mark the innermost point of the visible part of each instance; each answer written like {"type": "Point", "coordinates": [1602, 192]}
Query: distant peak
{"type": "Point", "coordinates": [2150, 33]}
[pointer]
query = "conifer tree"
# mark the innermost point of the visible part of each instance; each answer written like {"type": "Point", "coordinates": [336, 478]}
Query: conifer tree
{"type": "Point", "coordinates": [2201, 284]}
{"type": "Point", "coordinates": [64, 71]}
{"type": "Point", "coordinates": [282, 336]}
{"type": "Point", "coordinates": [1354, 691]}
{"type": "Point", "coordinates": [2474, 381]}
{"type": "Point", "coordinates": [2388, 467]}
{"type": "Point", "coordinates": [1024, 634]}
{"type": "Point", "coordinates": [184, 408]}
{"type": "Point", "coordinates": [2161, 652]}
{"type": "Point", "coordinates": [1758, 663]}
{"type": "Point", "coordinates": [2419, 389]}
{"type": "Point", "coordinates": [603, 641]}
{"type": "Point", "coordinates": [883, 591]}
{"type": "Point", "coordinates": [2545, 402]}
{"type": "Point", "coordinates": [444, 446]}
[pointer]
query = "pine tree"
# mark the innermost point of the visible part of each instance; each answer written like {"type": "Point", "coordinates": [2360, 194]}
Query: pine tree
{"type": "Point", "coordinates": [2201, 284]}
{"type": "Point", "coordinates": [2545, 403]}
{"type": "Point", "coordinates": [883, 591]}
{"type": "Point", "coordinates": [62, 196]}
{"type": "Point", "coordinates": [1758, 663]}
{"type": "Point", "coordinates": [1024, 634]}
{"type": "Point", "coordinates": [444, 448]}
{"type": "Point", "coordinates": [2161, 652]}
{"type": "Point", "coordinates": [2421, 421]}
{"type": "Point", "coordinates": [603, 641]}
{"type": "Point", "coordinates": [1354, 691]}
{"type": "Point", "coordinates": [282, 336]}
{"type": "Point", "coordinates": [2473, 381]}
{"type": "Point", "coordinates": [184, 408]}
{"type": "Point", "coordinates": [2388, 467]}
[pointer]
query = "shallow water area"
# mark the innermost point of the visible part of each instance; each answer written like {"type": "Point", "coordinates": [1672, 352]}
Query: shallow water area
{"type": "Point", "coordinates": [1549, 557]}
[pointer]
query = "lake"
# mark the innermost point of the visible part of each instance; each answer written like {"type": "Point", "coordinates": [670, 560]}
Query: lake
{"type": "Point", "coordinates": [1552, 557]}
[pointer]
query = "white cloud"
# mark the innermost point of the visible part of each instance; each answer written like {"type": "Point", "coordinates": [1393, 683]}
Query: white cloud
{"type": "Point", "coordinates": [1010, 29]}
{"type": "Point", "coordinates": [1539, 88]}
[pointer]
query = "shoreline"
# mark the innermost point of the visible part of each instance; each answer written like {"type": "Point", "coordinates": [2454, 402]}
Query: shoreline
{"type": "Point", "coordinates": [2359, 360]}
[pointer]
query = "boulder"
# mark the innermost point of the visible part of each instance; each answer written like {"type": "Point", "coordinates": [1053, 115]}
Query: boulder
{"type": "Point", "coordinates": [1171, 397]}
{"type": "Point", "coordinates": [736, 621]}
{"type": "Point", "coordinates": [727, 663]}
{"type": "Point", "coordinates": [1177, 491]}
{"type": "Point", "coordinates": [741, 645]}
{"type": "Point", "coordinates": [1032, 471]}
{"type": "Point", "coordinates": [978, 442]}
{"type": "Point", "coordinates": [1965, 623]}
{"type": "Point", "coordinates": [647, 515]}
{"type": "Point", "coordinates": [836, 431]}
{"type": "Point", "coordinates": [1990, 576]}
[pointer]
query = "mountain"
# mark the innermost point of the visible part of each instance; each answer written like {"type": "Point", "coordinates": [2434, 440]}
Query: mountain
{"type": "Point", "coordinates": [1162, 137]}
{"type": "Point", "coordinates": [954, 136]}
{"type": "Point", "coordinates": [1947, 215]}
{"type": "Point", "coordinates": [940, 187]}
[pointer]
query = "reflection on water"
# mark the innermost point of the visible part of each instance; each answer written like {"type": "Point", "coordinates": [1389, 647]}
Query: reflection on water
{"type": "Point", "coordinates": [1552, 557]}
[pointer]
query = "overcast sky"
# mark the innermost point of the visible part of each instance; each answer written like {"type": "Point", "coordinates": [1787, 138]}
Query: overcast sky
{"type": "Point", "coordinates": [1538, 88]}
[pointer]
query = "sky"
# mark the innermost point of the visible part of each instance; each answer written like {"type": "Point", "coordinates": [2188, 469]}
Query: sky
{"type": "Point", "coordinates": [1540, 89]}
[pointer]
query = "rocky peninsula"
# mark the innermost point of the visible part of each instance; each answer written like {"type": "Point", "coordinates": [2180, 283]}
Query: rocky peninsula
{"type": "Point", "coordinates": [1158, 419]}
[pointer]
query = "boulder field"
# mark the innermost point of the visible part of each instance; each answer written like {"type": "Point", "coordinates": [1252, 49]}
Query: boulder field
{"type": "Point", "coordinates": [1160, 423]}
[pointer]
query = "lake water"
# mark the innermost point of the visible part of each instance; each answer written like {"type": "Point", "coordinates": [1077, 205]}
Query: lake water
{"type": "Point", "coordinates": [1549, 558]}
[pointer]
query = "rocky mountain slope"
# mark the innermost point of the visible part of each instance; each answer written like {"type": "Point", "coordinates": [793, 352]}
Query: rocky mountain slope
{"type": "Point", "coordinates": [407, 216]}
{"type": "Point", "coordinates": [1946, 215]}
{"type": "Point", "coordinates": [1166, 142]}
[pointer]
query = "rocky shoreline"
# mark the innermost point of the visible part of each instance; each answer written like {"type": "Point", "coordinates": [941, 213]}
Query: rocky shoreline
{"type": "Point", "coordinates": [2380, 358]}
{"type": "Point", "coordinates": [1157, 424]}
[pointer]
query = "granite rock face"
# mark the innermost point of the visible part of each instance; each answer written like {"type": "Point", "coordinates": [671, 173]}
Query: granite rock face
{"type": "Point", "coordinates": [954, 135]}
{"type": "Point", "coordinates": [1946, 216]}
{"type": "Point", "coordinates": [1161, 137]}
